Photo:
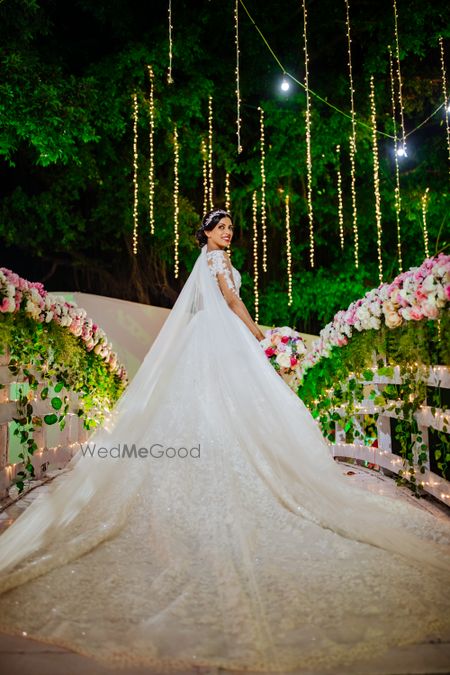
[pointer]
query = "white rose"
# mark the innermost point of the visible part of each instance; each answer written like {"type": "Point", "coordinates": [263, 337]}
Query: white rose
{"type": "Point", "coordinates": [283, 360]}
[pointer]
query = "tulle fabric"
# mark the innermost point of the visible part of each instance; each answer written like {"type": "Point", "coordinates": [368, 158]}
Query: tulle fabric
{"type": "Point", "coordinates": [253, 552]}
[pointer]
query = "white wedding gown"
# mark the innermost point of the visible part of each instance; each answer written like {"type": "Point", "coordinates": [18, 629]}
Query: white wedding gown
{"type": "Point", "coordinates": [258, 554]}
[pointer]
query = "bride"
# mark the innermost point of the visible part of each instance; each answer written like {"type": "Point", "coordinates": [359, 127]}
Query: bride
{"type": "Point", "coordinates": [207, 524]}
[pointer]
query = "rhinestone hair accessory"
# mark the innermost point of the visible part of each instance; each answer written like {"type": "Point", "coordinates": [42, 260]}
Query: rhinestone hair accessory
{"type": "Point", "coordinates": [212, 215]}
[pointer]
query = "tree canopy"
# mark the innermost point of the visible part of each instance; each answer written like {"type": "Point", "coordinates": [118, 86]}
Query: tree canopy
{"type": "Point", "coordinates": [66, 143]}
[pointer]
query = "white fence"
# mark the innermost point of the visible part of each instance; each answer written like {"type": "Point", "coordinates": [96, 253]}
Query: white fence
{"type": "Point", "coordinates": [55, 446]}
{"type": "Point", "coordinates": [385, 455]}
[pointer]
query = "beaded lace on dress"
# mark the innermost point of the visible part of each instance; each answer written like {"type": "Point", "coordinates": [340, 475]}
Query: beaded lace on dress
{"type": "Point", "coordinates": [249, 550]}
{"type": "Point", "coordinates": [219, 265]}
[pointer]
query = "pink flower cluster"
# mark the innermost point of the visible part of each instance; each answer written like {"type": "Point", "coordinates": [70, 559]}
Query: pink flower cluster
{"type": "Point", "coordinates": [285, 349]}
{"type": "Point", "coordinates": [420, 293]}
{"type": "Point", "coordinates": [17, 294]}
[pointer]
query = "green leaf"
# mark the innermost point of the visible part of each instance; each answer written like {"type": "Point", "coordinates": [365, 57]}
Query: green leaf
{"type": "Point", "coordinates": [50, 419]}
{"type": "Point", "coordinates": [56, 403]}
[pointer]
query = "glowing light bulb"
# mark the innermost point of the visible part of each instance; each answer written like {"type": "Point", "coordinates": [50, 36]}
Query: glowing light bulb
{"type": "Point", "coordinates": [401, 152]}
{"type": "Point", "coordinates": [285, 85]}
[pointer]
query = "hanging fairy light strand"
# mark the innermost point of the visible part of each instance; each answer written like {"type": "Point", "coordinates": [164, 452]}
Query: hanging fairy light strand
{"type": "Point", "coordinates": [238, 86]}
{"type": "Point", "coordinates": [169, 70]}
{"type": "Point", "coordinates": [255, 253]}
{"type": "Point", "coordinates": [397, 193]}
{"type": "Point", "coordinates": [308, 139]}
{"type": "Point", "coordinates": [227, 192]}
{"type": "Point", "coordinates": [135, 174]}
{"type": "Point", "coordinates": [151, 163]}
{"type": "Point", "coordinates": [424, 201]}
{"type": "Point", "coordinates": [352, 139]}
{"type": "Point", "coordinates": [210, 154]}
{"type": "Point", "coordinates": [204, 153]}
{"type": "Point", "coordinates": [288, 76]}
{"type": "Point", "coordinates": [176, 186]}
{"type": "Point", "coordinates": [288, 249]}
{"type": "Point", "coordinates": [444, 91]}
{"type": "Point", "coordinates": [376, 177]}
{"type": "Point", "coordinates": [402, 149]}
{"type": "Point", "coordinates": [340, 200]}
{"type": "Point", "coordinates": [263, 189]}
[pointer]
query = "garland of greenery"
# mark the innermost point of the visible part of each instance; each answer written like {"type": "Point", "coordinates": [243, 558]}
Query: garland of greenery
{"type": "Point", "coordinates": [51, 363]}
{"type": "Point", "coordinates": [335, 389]}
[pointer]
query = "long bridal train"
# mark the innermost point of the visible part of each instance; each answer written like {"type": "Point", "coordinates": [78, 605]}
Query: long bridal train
{"type": "Point", "coordinates": [234, 558]}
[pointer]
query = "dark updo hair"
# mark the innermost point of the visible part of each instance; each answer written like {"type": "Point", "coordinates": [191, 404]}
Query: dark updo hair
{"type": "Point", "coordinates": [209, 222]}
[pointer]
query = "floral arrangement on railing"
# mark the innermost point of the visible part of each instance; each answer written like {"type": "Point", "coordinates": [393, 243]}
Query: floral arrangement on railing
{"type": "Point", "coordinates": [56, 352]}
{"type": "Point", "coordinates": [404, 323]}
{"type": "Point", "coordinates": [17, 294]}
{"type": "Point", "coordinates": [420, 293]}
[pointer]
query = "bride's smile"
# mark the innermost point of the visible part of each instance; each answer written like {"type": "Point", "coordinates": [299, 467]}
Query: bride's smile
{"type": "Point", "coordinates": [221, 235]}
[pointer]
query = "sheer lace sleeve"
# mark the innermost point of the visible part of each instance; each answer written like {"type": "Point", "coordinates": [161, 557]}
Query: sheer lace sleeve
{"type": "Point", "coordinates": [220, 267]}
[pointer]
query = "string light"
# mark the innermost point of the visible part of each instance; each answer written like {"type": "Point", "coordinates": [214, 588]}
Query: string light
{"type": "Point", "coordinates": [308, 140]}
{"type": "Point", "coordinates": [424, 201]}
{"type": "Point", "coordinates": [227, 192]}
{"type": "Point", "coordinates": [444, 91]}
{"type": "Point", "coordinates": [255, 254]}
{"type": "Point", "coordinates": [285, 84]}
{"type": "Point", "coordinates": [135, 174]}
{"type": "Point", "coordinates": [376, 177]}
{"type": "Point", "coordinates": [402, 149]}
{"type": "Point", "coordinates": [352, 139]}
{"type": "Point", "coordinates": [325, 101]}
{"type": "Point", "coordinates": [263, 189]}
{"type": "Point", "coordinates": [238, 88]}
{"type": "Point", "coordinates": [176, 210]}
{"type": "Point", "coordinates": [288, 249]}
{"type": "Point", "coordinates": [169, 71]}
{"type": "Point", "coordinates": [340, 200]}
{"type": "Point", "coordinates": [151, 164]}
{"type": "Point", "coordinates": [210, 154]}
{"type": "Point", "coordinates": [204, 154]}
{"type": "Point", "coordinates": [397, 194]}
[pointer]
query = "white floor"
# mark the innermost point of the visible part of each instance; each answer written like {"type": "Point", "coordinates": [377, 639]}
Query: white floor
{"type": "Point", "coordinates": [22, 656]}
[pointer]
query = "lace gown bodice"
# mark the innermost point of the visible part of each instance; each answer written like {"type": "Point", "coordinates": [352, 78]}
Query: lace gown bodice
{"type": "Point", "coordinates": [217, 264]}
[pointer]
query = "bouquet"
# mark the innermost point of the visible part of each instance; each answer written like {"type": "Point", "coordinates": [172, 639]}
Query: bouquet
{"type": "Point", "coordinates": [285, 350]}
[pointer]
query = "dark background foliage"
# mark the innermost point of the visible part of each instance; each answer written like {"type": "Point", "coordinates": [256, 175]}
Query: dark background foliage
{"type": "Point", "coordinates": [68, 74]}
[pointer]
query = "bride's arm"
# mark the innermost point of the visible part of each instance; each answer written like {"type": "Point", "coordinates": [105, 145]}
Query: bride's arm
{"type": "Point", "coordinates": [235, 303]}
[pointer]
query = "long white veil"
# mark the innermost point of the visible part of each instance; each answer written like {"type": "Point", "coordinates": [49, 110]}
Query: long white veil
{"type": "Point", "coordinates": [280, 438]}
{"type": "Point", "coordinates": [233, 552]}
{"type": "Point", "coordinates": [206, 372]}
